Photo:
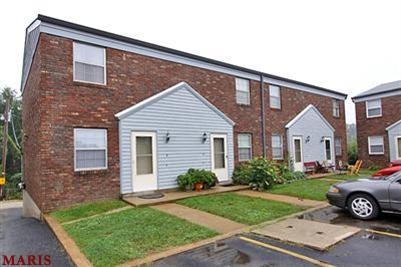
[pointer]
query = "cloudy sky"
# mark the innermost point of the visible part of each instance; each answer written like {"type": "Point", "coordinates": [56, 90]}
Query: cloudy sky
{"type": "Point", "coordinates": [348, 46]}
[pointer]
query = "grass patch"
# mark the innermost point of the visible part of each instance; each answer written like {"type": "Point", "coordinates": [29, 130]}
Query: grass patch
{"type": "Point", "coordinates": [363, 173]}
{"type": "Point", "coordinates": [315, 189]}
{"type": "Point", "coordinates": [242, 209]}
{"type": "Point", "coordinates": [131, 234]}
{"type": "Point", "coordinates": [86, 210]}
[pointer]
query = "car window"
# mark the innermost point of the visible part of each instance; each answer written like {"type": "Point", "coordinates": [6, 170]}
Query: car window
{"type": "Point", "coordinates": [393, 176]}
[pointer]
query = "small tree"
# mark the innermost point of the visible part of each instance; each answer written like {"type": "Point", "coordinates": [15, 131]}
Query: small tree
{"type": "Point", "coordinates": [352, 151]}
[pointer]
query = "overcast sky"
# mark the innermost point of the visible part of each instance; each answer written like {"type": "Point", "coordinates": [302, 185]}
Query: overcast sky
{"type": "Point", "coordinates": [348, 46]}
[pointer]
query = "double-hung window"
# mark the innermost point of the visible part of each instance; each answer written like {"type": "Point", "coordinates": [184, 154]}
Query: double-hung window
{"type": "Point", "coordinates": [275, 99]}
{"type": "Point", "coordinates": [244, 147]}
{"type": "Point", "coordinates": [337, 146]}
{"type": "Point", "coordinates": [373, 108]}
{"type": "Point", "coordinates": [277, 147]}
{"type": "Point", "coordinates": [90, 149]}
{"type": "Point", "coordinates": [336, 108]}
{"type": "Point", "coordinates": [89, 63]}
{"type": "Point", "coordinates": [376, 145]}
{"type": "Point", "coordinates": [242, 91]}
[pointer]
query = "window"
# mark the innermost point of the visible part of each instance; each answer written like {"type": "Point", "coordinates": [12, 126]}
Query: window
{"type": "Point", "coordinates": [275, 99]}
{"type": "Point", "coordinates": [277, 147]}
{"type": "Point", "coordinates": [89, 64]}
{"type": "Point", "coordinates": [242, 91]}
{"type": "Point", "coordinates": [327, 148]}
{"type": "Point", "coordinates": [337, 146]}
{"type": "Point", "coordinates": [90, 149]}
{"type": "Point", "coordinates": [376, 145]}
{"type": "Point", "coordinates": [336, 108]}
{"type": "Point", "coordinates": [244, 147]}
{"type": "Point", "coordinates": [373, 108]}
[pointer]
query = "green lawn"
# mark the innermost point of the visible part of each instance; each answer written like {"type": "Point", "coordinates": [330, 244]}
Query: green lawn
{"type": "Point", "coordinates": [314, 189]}
{"type": "Point", "coordinates": [363, 173]}
{"type": "Point", "coordinates": [116, 238]}
{"type": "Point", "coordinates": [242, 209]}
{"type": "Point", "coordinates": [86, 210]}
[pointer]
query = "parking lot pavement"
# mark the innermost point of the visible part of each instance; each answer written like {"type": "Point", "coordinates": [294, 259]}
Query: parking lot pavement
{"type": "Point", "coordinates": [26, 237]}
{"type": "Point", "coordinates": [386, 222]}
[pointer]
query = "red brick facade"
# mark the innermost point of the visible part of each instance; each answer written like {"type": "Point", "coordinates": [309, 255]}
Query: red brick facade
{"type": "Point", "coordinates": [376, 127]}
{"type": "Point", "coordinates": [54, 105]}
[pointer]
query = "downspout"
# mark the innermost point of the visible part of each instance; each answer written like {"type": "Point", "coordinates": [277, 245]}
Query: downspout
{"type": "Point", "coordinates": [262, 113]}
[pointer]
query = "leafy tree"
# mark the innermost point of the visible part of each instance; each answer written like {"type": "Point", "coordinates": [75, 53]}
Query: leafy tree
{"type": "Point", "coordinates": [352, 150]}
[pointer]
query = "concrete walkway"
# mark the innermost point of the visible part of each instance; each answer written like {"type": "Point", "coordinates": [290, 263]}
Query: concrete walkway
{"type": "Point", "coordinates": [176, 195]}
{"type": "Point", "coordinates": [282, 198]}
{"type": "Point", "coordinates": [217, 223]}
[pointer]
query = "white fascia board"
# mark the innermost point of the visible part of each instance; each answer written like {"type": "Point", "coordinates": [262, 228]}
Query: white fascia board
{"type": "Point", "coordinates": [378, 96]}
{"type": "Point", "coordinates": [302, 88]}
{"type": "Point", "coordinates": [303, 112]}
{"type": "Point", "coordinates": [124, 46]}
{"type": "Point", "coordinates": [393, 125]}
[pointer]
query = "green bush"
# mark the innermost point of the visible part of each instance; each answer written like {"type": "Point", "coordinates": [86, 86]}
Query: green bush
{"type": "Point", "coordinates": [242, 174]}
{"type": "Point", "coordinates": [352, 152]}
{"type": "Point", "coordinates": [11, 190]}
{"type": "Point", "coordinates": [187, 180]}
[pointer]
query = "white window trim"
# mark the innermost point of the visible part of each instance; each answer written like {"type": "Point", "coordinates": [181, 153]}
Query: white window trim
{"type": "Point", "coordinates": [341, 147]}
{"type": "Point", "coordinates": [375, 153]}
{"type": "Point", "coordinates": [367, 108]}
{"type": "Point", "coordinates": [397, 153]}
{"type": "Point", "coordinates": [250, 146]}
{"type": "Point", "coordinates": [281, 147]}
{"type": "Point", "coordinates": [248, 91]}
{"type": "Point", "coordinates": [336, 107]}
{"type": "Point", "coordinates": [104, 65]}
{"type": "Point", "coordinates": [278, 97]}
{"type": "Point", "coordinates": [75, 151]}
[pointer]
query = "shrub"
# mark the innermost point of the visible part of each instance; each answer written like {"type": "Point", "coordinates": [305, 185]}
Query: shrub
{"type": "Point", "coordinates": [262, 174]}
{"type": "Point", "coordinates": [187, 180]}
{"type": "Point", "coordinates": [11, 190]}
{"type": "Point", "coordinates": [242, 174]}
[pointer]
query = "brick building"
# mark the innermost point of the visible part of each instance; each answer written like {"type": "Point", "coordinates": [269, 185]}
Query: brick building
{"type": "Point", "coordinates": [105, 115]}
{"type": "Point", "coordinates": [378, 124]}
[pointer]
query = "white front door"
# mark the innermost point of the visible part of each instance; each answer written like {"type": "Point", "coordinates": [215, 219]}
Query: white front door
{"type": "Point", "coordinates": [328, 151]}
{"type": "Point", "coordinates": [398, 147]}
{"type": "Point", "coordinates": [144, 175]}
{"type": "Point", "coordinates": [297, 154]}
{"type": "Point", "coordinates": [219, 156]}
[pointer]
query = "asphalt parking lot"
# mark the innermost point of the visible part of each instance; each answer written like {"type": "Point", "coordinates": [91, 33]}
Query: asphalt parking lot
{"type": "Point", "coordinates": [365, 248]}
{"type": "Point", "coordinates": [27, 237]}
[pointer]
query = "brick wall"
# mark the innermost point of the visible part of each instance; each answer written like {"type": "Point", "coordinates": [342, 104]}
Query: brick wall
{"type": "Point", "coordinates": [376, 126]}
{"type": "Point", "coordinates": [131, 78]}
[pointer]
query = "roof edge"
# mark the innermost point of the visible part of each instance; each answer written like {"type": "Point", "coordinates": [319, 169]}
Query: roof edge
{"type": "Point", "coordinates": [376, 94]}
{"type": "Point", "coordinates": [303, 112]}
{"type": "Point", "coordinates": [79, 27]}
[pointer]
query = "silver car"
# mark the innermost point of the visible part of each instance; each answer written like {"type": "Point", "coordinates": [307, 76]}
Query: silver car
{"type": "Point", "coordinates": [366, 198]}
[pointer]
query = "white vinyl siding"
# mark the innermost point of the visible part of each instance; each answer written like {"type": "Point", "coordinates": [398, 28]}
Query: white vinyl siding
{"type": "Point", "coordinates": [275, 98]}
{"type": "Point", "coordinates": [336, 108]}
{"type": "Point", "coordinates": [373, 108]}
{"type": "Point", "coordinates": [90, 147]}
{"type": "Point", "coordinates": [244, 147]}
{"type": "Point", "coordinates": [376, 145]}
{"type": "Point", "coordinates": [89, 63]}
{"type": "Point", "coordinates": [277, 147]}
{"type": "Point", "coordinates": [242, 91]}
{"type": "Point", "coordinates": [337, 146]}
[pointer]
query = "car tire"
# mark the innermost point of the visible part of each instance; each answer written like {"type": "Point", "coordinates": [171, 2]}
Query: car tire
{"type": "Point", "coordinates": [363, 206]}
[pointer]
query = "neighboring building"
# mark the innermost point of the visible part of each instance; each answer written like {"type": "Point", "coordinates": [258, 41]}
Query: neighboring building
{"type": "Point", "coordinates": [105, 115]}
{"type": "Point", "coordinates": [378, 124]}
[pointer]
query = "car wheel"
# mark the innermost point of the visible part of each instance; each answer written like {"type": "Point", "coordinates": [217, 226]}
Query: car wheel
{"type": "Point", "coordinates": [363, 206]}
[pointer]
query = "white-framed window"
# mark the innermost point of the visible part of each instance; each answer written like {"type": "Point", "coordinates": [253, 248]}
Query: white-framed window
{"type": "Point", "coordinates": [275, 98]}
{"type": "Point", "coordinates": [277, 146]}
{"type": "Point", "coordinates": [336, 108]}
{"type": "Point", "coordinates": [90, 147]}
{"type": "Point", "coordinates": [89, 63]}
{"type": "Point", "coordinates": [373, 108]}
{"type": "Point", "coordinates": [337, 146]}
{"type": "Point", "coordinates": [242, 91]}
{"type": "Point", "coordinates": [376, 145]}
{"type": "Point", "coordinates": [244, 147]}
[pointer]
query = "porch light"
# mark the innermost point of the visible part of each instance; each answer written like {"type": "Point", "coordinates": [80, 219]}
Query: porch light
{"type": "Point", "coordinates": [322, 140]}
{"type": "Point", "coordinates": [204, 137]}
{"type": "Point", "coordinates": [307, 139]}
{"type": "Point", "coordinates": [167, 137]}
